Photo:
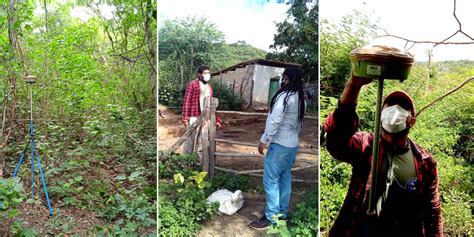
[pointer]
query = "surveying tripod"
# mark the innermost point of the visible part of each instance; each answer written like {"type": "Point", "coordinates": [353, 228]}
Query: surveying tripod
{"type": "Point", "coordinates": [31, 80]}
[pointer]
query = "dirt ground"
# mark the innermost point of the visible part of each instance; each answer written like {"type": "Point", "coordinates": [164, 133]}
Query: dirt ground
{"type": "Point", "coordinates": [249, 129]}
{"type": "Point", "coordinates": [68, 220]}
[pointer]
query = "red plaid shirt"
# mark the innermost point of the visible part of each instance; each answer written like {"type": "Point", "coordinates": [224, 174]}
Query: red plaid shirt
{"type": "Point", "coordinates": [191, 99]}
{"type": "Point", "coordinates": [344, 144]}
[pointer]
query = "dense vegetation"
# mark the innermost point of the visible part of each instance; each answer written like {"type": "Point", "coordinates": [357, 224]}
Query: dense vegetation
{"type": "Point", "coordinates": [297, 39]}
{"type": "Point", "coordinates": [445, 130]}
{"type": "Point", "coordinates": [94, 114]}
{"type": "Point", "coordinates": [183, 199]}
{"type": "Point", "coordinates": [187, 43]}
{"type": "Point", "coordinates": [183, 194]}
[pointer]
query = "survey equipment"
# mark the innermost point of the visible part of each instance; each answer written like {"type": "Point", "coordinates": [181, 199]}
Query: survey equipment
{"type": "Point", "coordinates": [379, 63]}
{"type": "Point", "coordinates": [30, 80]}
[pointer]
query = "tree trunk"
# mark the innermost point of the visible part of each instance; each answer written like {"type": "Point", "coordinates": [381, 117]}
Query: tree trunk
{"type": "Point", "coordinates": [46, 16]}
{"type": "Point", "coordinates": [3, 139]}
{"type": "Point", "coordinates": [429, 72]}
{"type": "Point", "coordinates": [191, 63]}
{"type": "Point", "coordinates": [151, 46]}
{"type": "Point", "coordinates": [13, 44]}
{"type": "Point", "coordinates": [11, 22]}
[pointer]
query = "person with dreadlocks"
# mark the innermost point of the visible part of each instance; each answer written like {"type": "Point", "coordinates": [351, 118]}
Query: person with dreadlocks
{"type": "Point", "coordinates": [282, 128]}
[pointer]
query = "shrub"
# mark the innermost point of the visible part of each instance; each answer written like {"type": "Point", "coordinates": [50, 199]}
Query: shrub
{"type": "Point", "coordinates": [10, 196]}
{"type": "Point", "coordinates": [184, 208]}
{"type": "Point", "coordinates": [227, 99]}
{"type": "Point", "coordinates": [303, 221]}
{"type": "Point", "coordinates": [173, 163]}
{"type": "Point", "coordinates": [174, 97]}
{"type": "Point", "coordinates": [230, 182]}
{"type": "Point", "coordinates": [334, 180]}
{"type": "Point", "coordinates": [456, 212]}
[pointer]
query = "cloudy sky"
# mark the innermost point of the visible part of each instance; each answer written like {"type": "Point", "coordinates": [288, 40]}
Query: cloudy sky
{"type": "Point", "coordinates": [421, 20]}
{"type": "Point", "coordinates": [249, 20]}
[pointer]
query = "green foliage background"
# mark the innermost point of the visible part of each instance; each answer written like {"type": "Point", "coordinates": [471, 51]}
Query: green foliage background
{"type": "Point", "coordinates": [187, 43]}
{"type": "Point", "coordinates": [93, 106]}
{"type": "Point", "coordinates": [297, 38]}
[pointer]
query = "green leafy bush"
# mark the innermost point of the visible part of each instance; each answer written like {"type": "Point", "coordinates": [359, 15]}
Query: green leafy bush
{"type": "Point", "coordinates": [334, 180]}
{"type": "Point", "coordinates": [227, 99]}
{"type": "Point", "coordinates": [184, 205]}
{"type": "Point", "coordinates": [174, 97]}
{"type": "Point", "coordinates": [303, 221]}
{"type": "Point", "coordinates": [173, 163]}
{"type": "Point", "coordinates": [10, 196]}
{"type": "Point", "coordinates": [336, 41]}
{"type": "Point", "coordinates": [133, 211]}
{"type": "Point", "coordinates": [230, 182]}
{"type": "Point", "coordinates": [456, 211]}
{"type": "Point", "coordinates": [19, 230]}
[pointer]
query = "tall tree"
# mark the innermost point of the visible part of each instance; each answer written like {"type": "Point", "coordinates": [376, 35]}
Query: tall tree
{"type": "Point", "coordinates": [131, 33]}
{"type": "Point", "coordinates": [297, 38]}
{"type": "Point", "coordinates": [185, 44]}
{"type": "Point", "coordinates": [337, 40]}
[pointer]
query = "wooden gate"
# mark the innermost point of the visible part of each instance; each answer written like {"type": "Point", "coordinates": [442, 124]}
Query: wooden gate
{"type": "Point", "coordinates": [207, 121]}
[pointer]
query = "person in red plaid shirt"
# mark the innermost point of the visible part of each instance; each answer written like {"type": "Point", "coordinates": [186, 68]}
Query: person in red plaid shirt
{"type": "Point", "coordinates": [407, 195]}
{"type": "Point", "coordinates": [196, 91]}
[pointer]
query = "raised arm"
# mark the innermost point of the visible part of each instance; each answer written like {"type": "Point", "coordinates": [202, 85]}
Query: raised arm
{"type": "Point", "coordinates": [341, 126]}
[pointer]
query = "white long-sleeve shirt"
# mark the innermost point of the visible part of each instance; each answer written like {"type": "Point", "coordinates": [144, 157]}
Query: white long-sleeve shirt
{"type": "Point", "coordinates": [283, 127]}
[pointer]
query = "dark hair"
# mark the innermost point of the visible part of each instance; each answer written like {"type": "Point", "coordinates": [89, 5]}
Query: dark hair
{"type": "Point", "coordinates": [295, 85]}
{"type": "Point", "coordinates": [201, 69]}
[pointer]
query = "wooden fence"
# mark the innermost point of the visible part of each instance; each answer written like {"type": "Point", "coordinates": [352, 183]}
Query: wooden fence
{"type": "Point", "coordinates": [207, 121]}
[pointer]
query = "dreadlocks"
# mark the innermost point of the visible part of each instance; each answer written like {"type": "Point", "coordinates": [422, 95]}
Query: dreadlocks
{"type": "Point", "coordinates": [295, 85]}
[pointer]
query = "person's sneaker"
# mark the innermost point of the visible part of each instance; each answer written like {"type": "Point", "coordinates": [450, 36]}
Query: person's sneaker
{"type": "Point", "coordinates": [260, 224]}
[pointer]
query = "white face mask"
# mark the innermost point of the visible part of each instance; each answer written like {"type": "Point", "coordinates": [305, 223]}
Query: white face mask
{"type": "Point", "coordinates": [394, 118]}
{"type": "Point", "coordinates": [206, 77]}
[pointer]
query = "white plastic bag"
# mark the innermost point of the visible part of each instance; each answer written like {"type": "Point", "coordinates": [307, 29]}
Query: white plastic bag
{"type": "Point", "coordinates": [229, 202]}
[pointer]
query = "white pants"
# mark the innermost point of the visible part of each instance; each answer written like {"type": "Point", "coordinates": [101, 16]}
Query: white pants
{"type": "Point", "coordinates": [193, 143]}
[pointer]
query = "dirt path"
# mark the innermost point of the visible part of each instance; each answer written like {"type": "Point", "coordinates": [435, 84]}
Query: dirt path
{"type": "Point", "coordinates": [249, 129]}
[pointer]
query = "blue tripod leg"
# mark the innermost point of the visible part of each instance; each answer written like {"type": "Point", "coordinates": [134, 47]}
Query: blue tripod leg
{"type": "Point", "coordinates": [32, 144]}
{"type": "Point", "coordinates": [21, 160]}
{"type": "Point", "coordinates": [44, 186]}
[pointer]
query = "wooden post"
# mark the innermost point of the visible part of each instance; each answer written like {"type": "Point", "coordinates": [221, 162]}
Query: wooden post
{"type": "Point", "coordinates": [189, 131]}
{"type": "Point", "coordinates": [212, 136]}
{"type": "Point", "coordinates": [205, 135]}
